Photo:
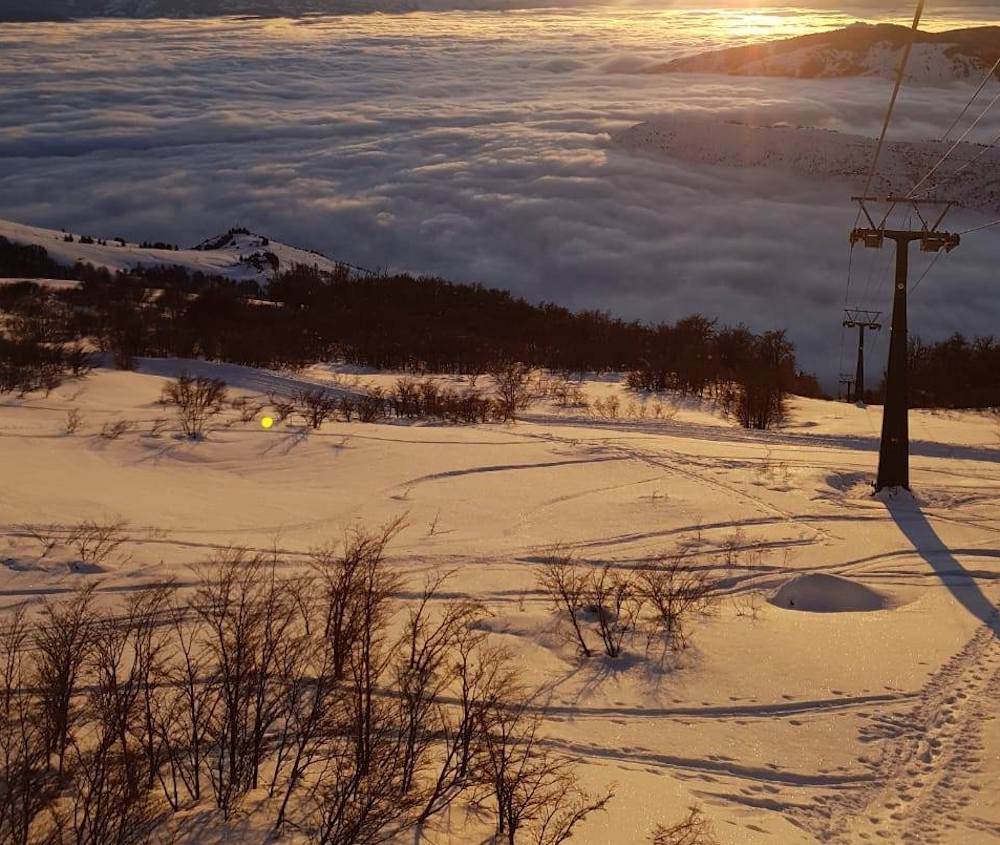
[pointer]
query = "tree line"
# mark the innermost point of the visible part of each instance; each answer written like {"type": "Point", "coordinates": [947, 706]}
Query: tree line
{"type": "Point", "coordinates": [418, 325]}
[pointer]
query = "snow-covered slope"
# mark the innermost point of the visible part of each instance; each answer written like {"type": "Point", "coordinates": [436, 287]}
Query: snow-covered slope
{"type": "Point", "coordinates": [238, 255]}
{"type": "Point", "coordinates": [821, 153]}
{"type": "Point", "coordinates": [857, 50]}
{"type": "Point", "coordinates": [873, 720]}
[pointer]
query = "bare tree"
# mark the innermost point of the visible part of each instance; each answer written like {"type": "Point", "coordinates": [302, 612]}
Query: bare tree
{"type": "Point", "coordinates": [114, 763]}
{"type": "Point", "coordinates": [693, 829]}
{"type": "Point", "coordinates": [314, 714]}
{"type": "Point", "coordinates": [103, 808]}
{"type": "Point", "coordinates": [482, 677]}
{"type": "Point", "coordinates": [26, 785]}
{"type": "Point", "coordinates": [344, 576]}
{"type": "Point", "coordinates": [184, 706]}
{"type": "Point", "coordinates": [536, 793]}
{"type": "Point", "coordinates": [365, 795]}
{"type": "Point", "coordinates": [427, 643]}
{"type": "Point", "coordinates": [246, 614]}
{"type": "Point", "coordinates": [197, 400]}
{"type": "Point", "coordinates": [567, 587]}
{"type": "Point", "coordinates": [63, 640]}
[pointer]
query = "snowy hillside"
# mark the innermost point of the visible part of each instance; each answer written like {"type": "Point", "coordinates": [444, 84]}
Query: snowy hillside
{"type": "Point", "coordinates": [845, 689]}
{"type": "Point", "coordinates": [857, 50]}
{"type": "Point", "coordinates": [820, 153]}
{"type": "Point", "coordinates": [238, 255]}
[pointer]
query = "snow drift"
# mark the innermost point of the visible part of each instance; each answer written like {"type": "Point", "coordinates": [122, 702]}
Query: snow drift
{"type": "Point", "coordinates": [819, 593]}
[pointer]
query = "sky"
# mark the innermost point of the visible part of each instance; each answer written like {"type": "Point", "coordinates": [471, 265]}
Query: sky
{"type": "Point", "coordinates": [474, 146]}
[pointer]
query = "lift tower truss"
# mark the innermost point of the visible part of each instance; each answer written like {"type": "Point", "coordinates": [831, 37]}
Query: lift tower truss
{"type": "Point", "coordinates": [894, 449]}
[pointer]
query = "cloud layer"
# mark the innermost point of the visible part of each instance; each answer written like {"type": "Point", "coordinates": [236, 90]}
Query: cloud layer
{"type": "Point", "coordinates": [473, 146]}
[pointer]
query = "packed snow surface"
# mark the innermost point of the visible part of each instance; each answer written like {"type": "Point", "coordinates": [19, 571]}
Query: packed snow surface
{"type": "Point", "coordinates": [786, 727]}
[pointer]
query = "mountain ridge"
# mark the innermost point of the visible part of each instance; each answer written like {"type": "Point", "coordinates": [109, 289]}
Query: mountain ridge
{"type": "Point", "coordinates": [860, 49]}
{"type": "Point", "coordinates": [239, 255]}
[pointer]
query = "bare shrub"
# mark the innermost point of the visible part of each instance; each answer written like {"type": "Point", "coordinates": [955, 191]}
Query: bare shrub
{"type": "Point", "coordinates": [566, 393]}
{"type": "Point", "coordinates": [748, 604]}
{"type": "Point", "coordinates": [405, 398]}
{"type": "Point", "coordinates": [607, 408]}
{"type": "Point", "coordinates": [97, 542]}
{"type": "Point", "coordinates": [197, 400]}
{"type": "Point", "coordinates": [616, 603]}
{"type": "Point", "coordinates": [370, 407]}
{"type": "Point", "coordinates": [283, 408]}
{"type": "Point", "coordinates": [511, 389]}
{"type": "Point", "coordinates": [47, 536]}
{"type": "Point", "coordinates": [79, 361]}
{"type": "Point", "coordinates": [118, 428]}
{"type": "Point", "coordinates": [73, 421]}
{"type": "Point", "coordinates": [246, 407]}
{"type": "Point", "coordinates": [158, 426]}
{"type": "Point", "coordinates": [693, 829]}
{"type": "Point", "coordinates": [316, 406]}
{"type": "Point", "coordinates": [675, 591]}
{"type": "Point", "coordinates": [567, 587]}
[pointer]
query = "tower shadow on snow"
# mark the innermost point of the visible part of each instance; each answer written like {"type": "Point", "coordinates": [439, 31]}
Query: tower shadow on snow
{"type": "Point", "coordinates": [914, 525]}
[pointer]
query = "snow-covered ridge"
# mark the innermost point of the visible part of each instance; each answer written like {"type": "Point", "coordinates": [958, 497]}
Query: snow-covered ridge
{"type": "Point", "coordinates": [857, 50]}
{"type": "Point", "coordinates": [821, 153]}
{"type": "Point", "coordinates": [238, 254]}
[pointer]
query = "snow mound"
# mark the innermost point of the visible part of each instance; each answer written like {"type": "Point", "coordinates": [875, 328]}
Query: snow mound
{"type": "Point", "coordinates": [818, 593]}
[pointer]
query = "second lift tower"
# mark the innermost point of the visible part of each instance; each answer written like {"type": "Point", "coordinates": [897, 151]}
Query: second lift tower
{"type": "Point", "coordinates": [862, 320]}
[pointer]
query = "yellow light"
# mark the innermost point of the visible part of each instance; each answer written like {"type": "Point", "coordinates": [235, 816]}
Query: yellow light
{"type": "Point", "coordinates": [267, 422]}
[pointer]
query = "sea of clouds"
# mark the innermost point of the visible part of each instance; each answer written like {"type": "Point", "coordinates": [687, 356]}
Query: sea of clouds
{"type": "Point", "coordinates": [471, 145]}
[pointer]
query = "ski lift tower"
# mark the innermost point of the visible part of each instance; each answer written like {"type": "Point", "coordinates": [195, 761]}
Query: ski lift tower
{"type": "Point", "coordinates": [861, 320]}
{"type": "Point", "coordinates": [894, 449]}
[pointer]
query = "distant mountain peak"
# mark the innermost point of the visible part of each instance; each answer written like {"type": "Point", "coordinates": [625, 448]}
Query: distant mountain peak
{"type": "Point", "coordinates": [860, 49]}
